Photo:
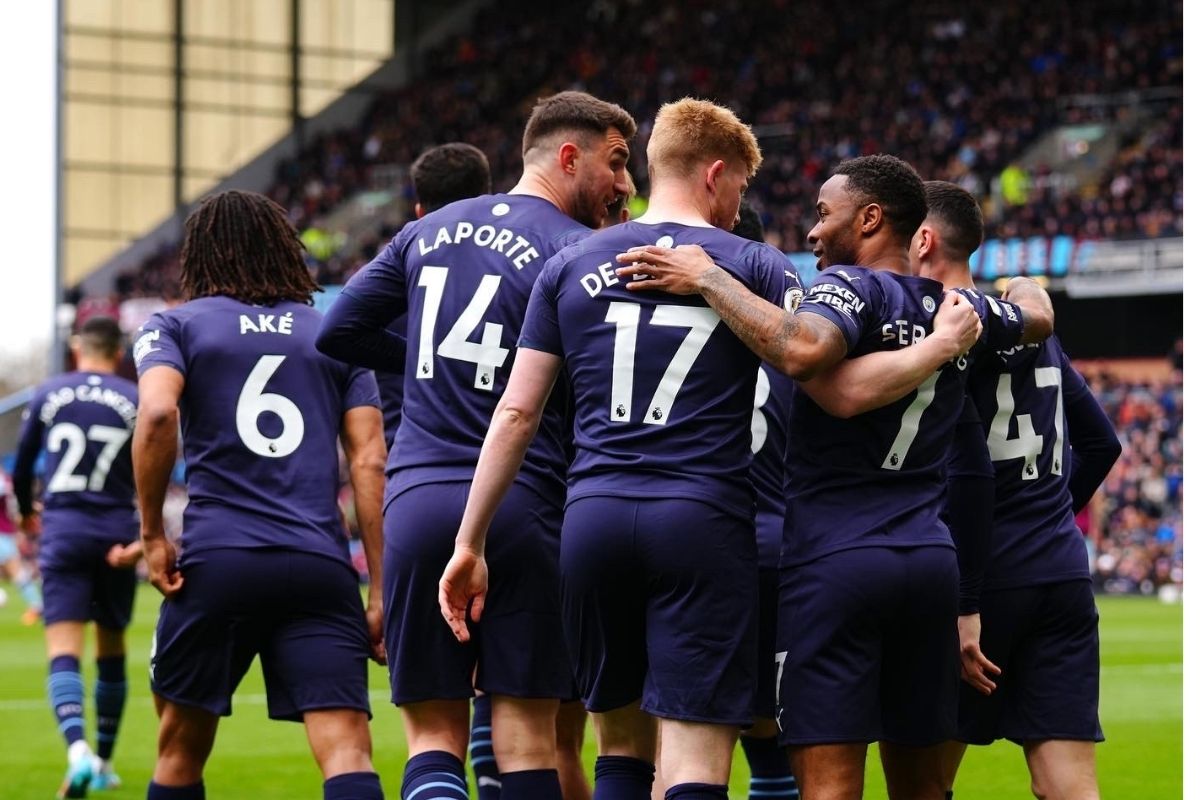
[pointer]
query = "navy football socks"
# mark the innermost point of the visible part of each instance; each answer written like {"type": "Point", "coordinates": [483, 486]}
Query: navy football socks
{"type": "Point", "coordinates": [770, 773]}
{"type": "Point", "coordinates": [529, 783]}
{"type": "Point", "coordinates": [193, 792]}
{"type": "Point", "coordinates": [354, 786]}
{"type": "Point", "coordinates": [434, 775]}
{"type": "Point", "coordinates": [111, 689]}
{"type": "Point", "coordinates": [698, 791]}
{"type": "Point", "coordinates": [65, 687]}
{"type": "Point", "coordinates": [623, 778]}
{"type": "Point", "coordinates": [483, 758]}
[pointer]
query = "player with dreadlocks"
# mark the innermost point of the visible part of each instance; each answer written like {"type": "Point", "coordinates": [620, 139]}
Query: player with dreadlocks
{"type": "Point", "coordinates": [264, 555]}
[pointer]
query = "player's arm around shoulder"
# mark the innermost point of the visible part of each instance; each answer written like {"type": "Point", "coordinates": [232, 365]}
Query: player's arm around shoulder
{"type": "Point", "coordinates": [871, 381]}
{"type": "Point", "coordinates": [155, 441]}
{"type": "Point", "coordinates": [1036, 309]}
{"type": "Point", "coordinates": [792, 344]}
{"type": "Point", "coordinates": [463, 587]}
{"type": "Point", "coordinates": [366, 456]}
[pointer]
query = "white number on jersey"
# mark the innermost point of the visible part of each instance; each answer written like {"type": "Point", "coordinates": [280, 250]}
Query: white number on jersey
{"type": "Point", "coordinates": [910, 423]}
{"type": "Point", "coordinates": [70, 434]}
{"type": "Point", "coordinates": [700, 321]}
{"type": "Point", "coordinates": [1028, 443]}
{"type": "Point", "coordinates": [487, 354]}
{"type": "Point", "coordinates": [758, 420]}
{"type": "Point", "coordinates": [253, 401]}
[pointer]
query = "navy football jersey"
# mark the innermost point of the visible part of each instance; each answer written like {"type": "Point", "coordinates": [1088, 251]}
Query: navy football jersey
{"type": "Point", "coordinates": [261, 411]}
{"type": "Point", "coordinates": [663, 390]}
{"type": "Point", "coordinates": [391, 389]}
{"type": "Point", "coordinates": [877, 479]}
{"type": "Point", "coordinates": [1022, 394]}
{"type": "Point", "coordinates": [768, 443]}
{"type": "Point", "coordinates": [464, 274]}
{"type": "Point", "coordinates": [83, 423]}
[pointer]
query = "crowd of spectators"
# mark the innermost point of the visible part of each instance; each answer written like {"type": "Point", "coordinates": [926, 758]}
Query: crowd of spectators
{"type": "Point", "coordinates": [959, 90]}
{"type": "Point", "coordinates": [1140, 196]}
{"type": "Point", "coordinates": [1136, 521]}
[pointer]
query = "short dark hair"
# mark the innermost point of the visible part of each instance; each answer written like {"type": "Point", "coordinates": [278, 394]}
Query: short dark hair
{"type": "Point", "coordinates": [749, 224]}
{"type": "Point", "coordinates": [100, 336]}
{"type": "Point", "coordinates": [449, 172]}
{"type": "Point", "coordinates": [958, 216]}
{"type": "Point", "coordinates": [241, 244]}
{"type": "Point", "coordinates": [891, 183]}
{"type": "Point", "coordinates": [574, 111]}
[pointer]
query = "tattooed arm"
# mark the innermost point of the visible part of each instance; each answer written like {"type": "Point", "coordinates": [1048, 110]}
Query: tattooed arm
{"type": "Point", "coordinates": [800, 346]}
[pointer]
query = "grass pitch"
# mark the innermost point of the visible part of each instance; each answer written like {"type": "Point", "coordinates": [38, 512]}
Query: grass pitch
{"type": "Point", "coordinates": [1141, 709]}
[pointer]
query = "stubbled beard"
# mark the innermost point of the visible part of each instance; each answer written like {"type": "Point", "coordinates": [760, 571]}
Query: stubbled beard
{"type": "Point", "coordinates": [582, 210]}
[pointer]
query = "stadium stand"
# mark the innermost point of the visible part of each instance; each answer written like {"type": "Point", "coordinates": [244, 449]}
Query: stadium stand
{"type": "Point", "coordinates": [981, 84]}
{"type": "Point", "coordinates": [1136, 521]}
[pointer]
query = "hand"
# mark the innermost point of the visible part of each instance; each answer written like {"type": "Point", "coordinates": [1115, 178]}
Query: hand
{"type": "Point", "coordinates": [123, 556]}
{"type": "Point", "coordinates": [678, 270]}
{"type": "Point", "coordinates": [957, 322]}
{"type": "Point", "coordinates": [160, 563]}
{"type": "Point", "coordinates": [975, 666]}
{"type": "Point", "coordinates": [31, 524]}
{"type": "Point", "coordinates": [375, 629]}
{"type": "Point", "coordinates": [1019, 283]}
{"type": "Point", "coordinates": [463, 587]}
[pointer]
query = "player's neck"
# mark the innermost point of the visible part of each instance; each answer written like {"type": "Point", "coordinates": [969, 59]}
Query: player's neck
{"type": "Point", "coordinates": [535, 183]}
{"type": "Point", "coordinates": [100, 365]}
{"type": "Point", "coordinates": [952, 275]}
{"type": "Point", "coordinates": [888, 261]}
{"type": "Point", "coordinates": [672, 201]}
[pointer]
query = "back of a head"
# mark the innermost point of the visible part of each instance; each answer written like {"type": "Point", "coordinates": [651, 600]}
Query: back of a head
{"type": "Point", "coordinates": [100, 337]}
{"type": "Point", "coordinates": [241, 244]}
{"type": "Point", "coordinates": [449, 172]}
{"type": "Point", "coordinates": [749, 224]}
{"type": "Point", "coordinates": [957, 217]}
{"type": "Point", "coordinates": [572, 113]}
{"type": "Point", "coordinates": [892, 184]}
{"type": "Point", "coordinates": [691, 133]}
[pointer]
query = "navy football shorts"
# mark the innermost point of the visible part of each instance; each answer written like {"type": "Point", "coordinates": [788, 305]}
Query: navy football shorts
{"type": "Point", "coordinates": [867, 647]}
{"type": "Point", "coordinates": [660, 603]}
{"type": "Point", "coordinates": [517, 649]}
{"type": "Point", "coordinates": [78, 585]}
{"type": "Point", "coordinates": [1046, 642]}
{"type": "Point", "coordinates": [301, 613]}
{"type": "Point", "coordinates": [768, 624]}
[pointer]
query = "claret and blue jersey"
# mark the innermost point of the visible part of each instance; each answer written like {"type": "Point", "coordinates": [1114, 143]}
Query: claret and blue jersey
{"type": "Point", "coordinates": [463, 274]}
{"type": "Point", "coordinates": [663, 390]}
{"type": "Point", "coordinates": [877, 479]}
{"type": "Point", "coordinates": [261, 412]}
